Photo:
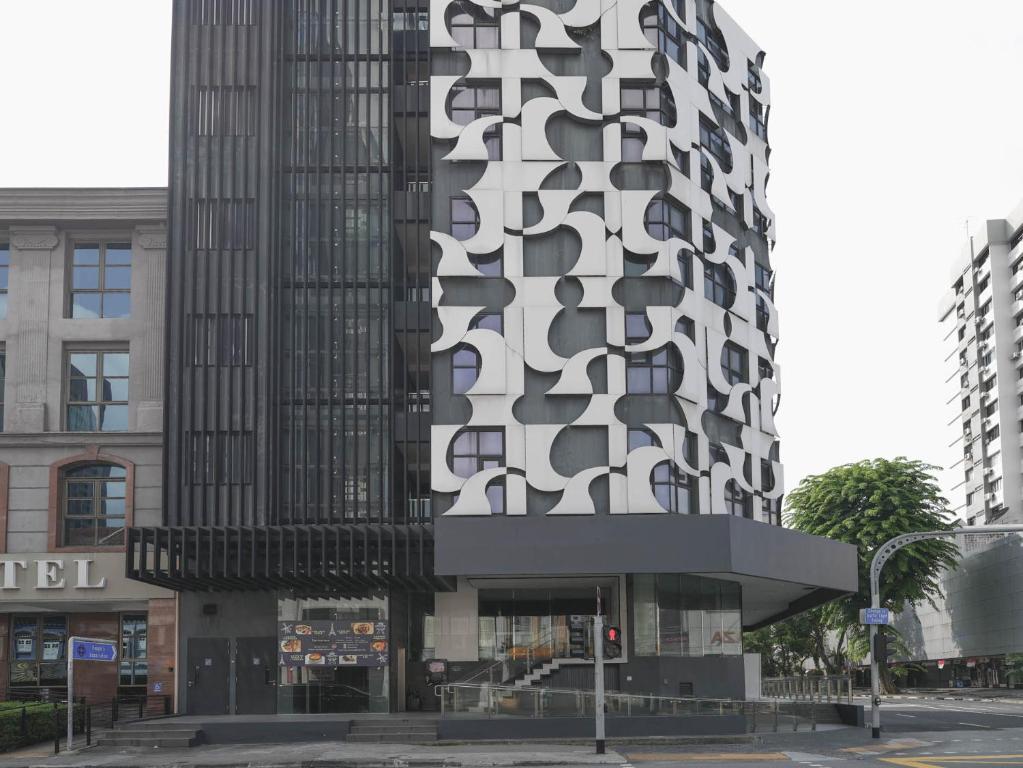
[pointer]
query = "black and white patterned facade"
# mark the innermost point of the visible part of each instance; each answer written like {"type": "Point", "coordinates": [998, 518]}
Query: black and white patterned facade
{"type": "Point", "coordinates": [604, 325]}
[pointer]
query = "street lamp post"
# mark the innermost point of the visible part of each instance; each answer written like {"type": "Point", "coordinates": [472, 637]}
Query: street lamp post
{"type": "Point", "coordinates": [882, 556]}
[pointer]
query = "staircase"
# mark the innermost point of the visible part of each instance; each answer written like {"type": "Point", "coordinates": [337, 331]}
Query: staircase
{"type": "Point", "coordinates": [393, 731]}
{"type": "Point", "coordinates": [179, 736]}
{"type": "Point", "coordinates": [544, 670]}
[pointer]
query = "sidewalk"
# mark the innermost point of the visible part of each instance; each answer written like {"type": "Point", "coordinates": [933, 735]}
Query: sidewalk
{"type": "Point", "coordinates": [1013, 695]}
{"type": "Point", "coordinates": [328, 755]}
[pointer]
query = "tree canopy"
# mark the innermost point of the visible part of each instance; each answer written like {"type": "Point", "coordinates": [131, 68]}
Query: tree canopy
{"type": "Point", "coordinates": [866, 504]}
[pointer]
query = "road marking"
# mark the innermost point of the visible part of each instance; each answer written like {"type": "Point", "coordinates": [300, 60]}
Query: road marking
{"type": "Point", "coordinates": [900, 714]}
{"type": "Point", "coordinates": [940, 762]}
{"type": "Point", "coordinates": [711, 757]}
{"type": "Point", "coordinates": [975, 725]}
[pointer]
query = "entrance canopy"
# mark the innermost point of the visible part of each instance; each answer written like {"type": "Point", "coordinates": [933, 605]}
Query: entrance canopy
{"type": "Point", "coordinates": [782, 572]}
{"type": "Point", "coordinates": [312, 558]}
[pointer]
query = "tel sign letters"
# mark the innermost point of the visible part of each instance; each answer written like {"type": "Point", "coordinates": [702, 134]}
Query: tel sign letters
{"type": "Point", "coordinates": [49, 574]}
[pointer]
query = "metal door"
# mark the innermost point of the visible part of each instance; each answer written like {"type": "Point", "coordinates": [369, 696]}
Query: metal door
{"type": "Point", "coordinates": [255, 668]}
{"type": "Point", "coordinates": [209, 675]}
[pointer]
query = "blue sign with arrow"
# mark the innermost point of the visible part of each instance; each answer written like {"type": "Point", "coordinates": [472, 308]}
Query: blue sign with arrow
{"type": "Point", "coordinates": [93, 650]}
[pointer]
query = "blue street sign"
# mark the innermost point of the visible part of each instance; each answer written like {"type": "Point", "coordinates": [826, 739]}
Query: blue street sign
{"type": "Point", "coordinates": [90, 650]}
{"type": "Point", "coordinates": [878, 616]}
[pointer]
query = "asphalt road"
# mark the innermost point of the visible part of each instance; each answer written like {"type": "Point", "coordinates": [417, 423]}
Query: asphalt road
{"type": "Point", "coordinates": [916, 734]}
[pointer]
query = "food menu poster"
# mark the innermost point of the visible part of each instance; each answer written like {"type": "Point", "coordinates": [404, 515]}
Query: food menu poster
{"type": "Point", "coordinates": [342, 643]}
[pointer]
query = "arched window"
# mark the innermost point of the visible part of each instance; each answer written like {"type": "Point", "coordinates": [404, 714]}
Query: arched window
{"type": "Point", "coordinates": [93, 505]}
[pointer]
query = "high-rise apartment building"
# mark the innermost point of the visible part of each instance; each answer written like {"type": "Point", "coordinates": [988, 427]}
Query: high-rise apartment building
{"type": "Point", "coordinates": [470, 315]}
{"type": "Point", "coordinates": [983, 317]}
{"type": "Point", "coordinates": [967, 633]}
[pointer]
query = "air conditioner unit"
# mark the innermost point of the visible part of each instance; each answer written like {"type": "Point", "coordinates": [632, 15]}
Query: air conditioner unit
{"type": "Point", "coordinates": [1017, 355]}
{"type": "Point", "coordinates": [989, 470]}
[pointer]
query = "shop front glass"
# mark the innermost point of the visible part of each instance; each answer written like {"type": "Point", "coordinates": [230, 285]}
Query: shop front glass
{"type": "Point", "coordinates": [527, 627]}
{"type": "Point", "coordinates": [682, 615]}
{"type": "Point", "coordinates": [334, 654]}
{"type": "Point", "coordinates": [39, 657]}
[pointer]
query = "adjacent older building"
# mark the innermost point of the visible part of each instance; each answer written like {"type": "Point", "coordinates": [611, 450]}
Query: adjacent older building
{"type": "Point", "coordinates": [471, 315]}
{"type": "Point", "coordinates": [81, 420]}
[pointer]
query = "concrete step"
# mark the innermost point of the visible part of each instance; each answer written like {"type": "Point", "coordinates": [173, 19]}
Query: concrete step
{"type": "Point", "coordinates": [391, 738]}
{"type": "Point", "coordinates": [167, 738]}
{"type": "Point", "coordinates": [165, 743]}
{"type": "Point", "coordinates": [428, 733]}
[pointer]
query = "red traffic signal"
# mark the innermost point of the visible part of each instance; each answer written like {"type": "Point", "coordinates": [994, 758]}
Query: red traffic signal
{"type": "Point", "coordinates": [612, 642]}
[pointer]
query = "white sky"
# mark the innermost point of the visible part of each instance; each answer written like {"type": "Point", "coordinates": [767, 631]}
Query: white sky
{"type": "Point", "coordinates": [891, 125]}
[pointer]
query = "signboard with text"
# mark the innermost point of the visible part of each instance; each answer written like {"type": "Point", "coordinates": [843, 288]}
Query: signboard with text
{"type": "Point", "coordinates": [875, 616]}
{"type": "Point", "coordinates": [341, 643]}
{"type": "Point", "coordinates": [92, 650]}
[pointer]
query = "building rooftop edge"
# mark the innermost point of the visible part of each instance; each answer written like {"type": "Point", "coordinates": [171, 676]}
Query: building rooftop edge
{"type": "Point", "coordinates": [44, 204]}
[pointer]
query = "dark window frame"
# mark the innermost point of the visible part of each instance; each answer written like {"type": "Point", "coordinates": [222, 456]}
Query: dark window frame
{"type": "Point", "coordinates": [85, 484]}
{"type": "Point", "coordinates": [78, 265]}
{"type": "Point", "coordinates": [99, 404]}
{"type": "Point", "coordinates": [468, 22]}
{"type": "Point", "coordinates": [719, 284]}
{"type": "Point", "coordinates": [484, 101]}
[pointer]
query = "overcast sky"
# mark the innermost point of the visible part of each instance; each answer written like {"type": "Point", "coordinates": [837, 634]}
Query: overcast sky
{"type": "Point", "coordinates": [889, 130]}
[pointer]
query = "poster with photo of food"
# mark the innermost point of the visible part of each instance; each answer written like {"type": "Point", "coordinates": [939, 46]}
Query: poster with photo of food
{"type": "Point", "coordinates": [342, 643]}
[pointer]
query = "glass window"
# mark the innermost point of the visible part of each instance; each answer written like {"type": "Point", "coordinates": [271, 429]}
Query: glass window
{"type": "Point", "coordinates": [475, 27]}
{"type": "Point", "coordinates": [100, 280]}
{"type": "Point", "coordinates": [714, 141]}
{"type": "Point", "coordinates": [674, 489]}
{"type": "Point", "coordinates": [465, 369]}
{"type": "Point", "coordinates": [714, 41]}
{"type": "Point", "coordinates": [470, 103]}
{"type": "Point", "coordinates": [718, 284]}
{"type": "Point", "coordinates": [733, 364]}
{"type": "Point", "coordinates": [5, 269]}
{"type": "Point", "coordinates": [656, 372]}
{"type": "Point", "coordinates": [134, 664]}
{"type": "Point", "coordinates": [738, 502]}
{"type": "Point", "coordinates": [93, 511]}
{"type": "Point", "coordinates": [682, 615]}
{"type": "Point", "coordinates": [97, 391]}
{"type": "Point", "coordinates": [650, 101]}
{"type": "Point", "coordinates": [39, 654]}
{"type": "Point", "coordinates": [667, 218]}
{"type": "Point", "coordinates": [477, 450]}
{"type": "Point", "coordinates": [757, 118]}
{"type": "Point", "coordinates": [663, 32]}
{"type": "Point", "coordinates": [488, 321]}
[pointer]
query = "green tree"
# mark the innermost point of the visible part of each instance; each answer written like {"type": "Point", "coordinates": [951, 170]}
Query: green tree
{"type": "Point", "coordinates": [866, 504]}
{"type": "Point", "coordinates": [787, 646]}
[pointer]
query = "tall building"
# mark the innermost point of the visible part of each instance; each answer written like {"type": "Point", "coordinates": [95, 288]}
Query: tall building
{"type": "Point", "coordinates": [470, 315]}
{"type": "Point", "coordinates": [81, 416]}
{"type": "Point", "coordinates": [983, 318]}
{"type": "Point", "coordinates": [976, 622]}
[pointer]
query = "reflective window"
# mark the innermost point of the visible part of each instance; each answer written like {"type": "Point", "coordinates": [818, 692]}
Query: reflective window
{"type": "Point", "coordinates": [94, 511]}
{"type": "Point", "coordinates": [475, 27]}
{"type": "Point", "coordinates": [667, 218]}
{"type": "Point", "coordinates": [470, 103]}
{"type": "Point", "coordinates": [718, 284]}
{"type": "Point", "coordinates": [714, 141]}
{"type": "Point", "coordinates": [97, 391]}
{"type": "Point", "coordinates": [100, 280]}
{"type": "Point", "coordinates": [465, 369]}
{"type": "Point", "coordinates": [682, 615]}
{"type": "Point", "coordinates": [133, 661]}
{"type": "Point", "coordinates": [738, 502]}
{"type": "Point", "coordinates": [648, 101]}
{"type": "Point", "coordinates": [663, 32]}
{"type": "Point", "coordinates": [3, 382]}
{"type": "Point", "coordinates": [477, 450]}
{"type": "Point", "coordinates": [39, 651]}
{"type": "Point", "coordinates": [654, 372]}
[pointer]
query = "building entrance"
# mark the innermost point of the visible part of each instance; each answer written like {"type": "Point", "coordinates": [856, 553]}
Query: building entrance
{"type": "Point", "coordinates": [334, 654]}
{"type": "Point", "coordinates": [209, 671]}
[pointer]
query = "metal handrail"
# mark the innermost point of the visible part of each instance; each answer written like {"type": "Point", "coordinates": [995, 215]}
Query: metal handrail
{"type": "Point", "coordinates": [547, 640]}
{"type": "Point", "coordinates": [632, 697]}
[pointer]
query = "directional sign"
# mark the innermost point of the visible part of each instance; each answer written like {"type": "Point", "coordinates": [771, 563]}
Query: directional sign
{"type": "Point", "coordinates": [93, 650]}
{"type": "Point", "coordinates": [879, 616]}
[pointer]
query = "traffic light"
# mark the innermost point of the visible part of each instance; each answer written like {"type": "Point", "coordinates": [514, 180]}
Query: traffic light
{"type": "Point", "coordinates": [881, 650]}
{"type": "Point", "coordinates": [612, 643]}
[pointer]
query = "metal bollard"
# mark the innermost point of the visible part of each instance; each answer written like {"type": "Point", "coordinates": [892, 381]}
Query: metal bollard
{"type": "Point", "coordinates": [88, 725]}
{"type": "Point", "coordinates": [56, 731]}
{"type": "Point", "coordinates": [776, 716]}
{"type": "Point", "coordinates": [813, 716]}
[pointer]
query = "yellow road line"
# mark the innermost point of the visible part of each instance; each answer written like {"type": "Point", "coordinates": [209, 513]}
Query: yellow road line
{"type": "Point", "coordinates": [714, 757]}
{"type": "Point", "coordinates": [934, 761]}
